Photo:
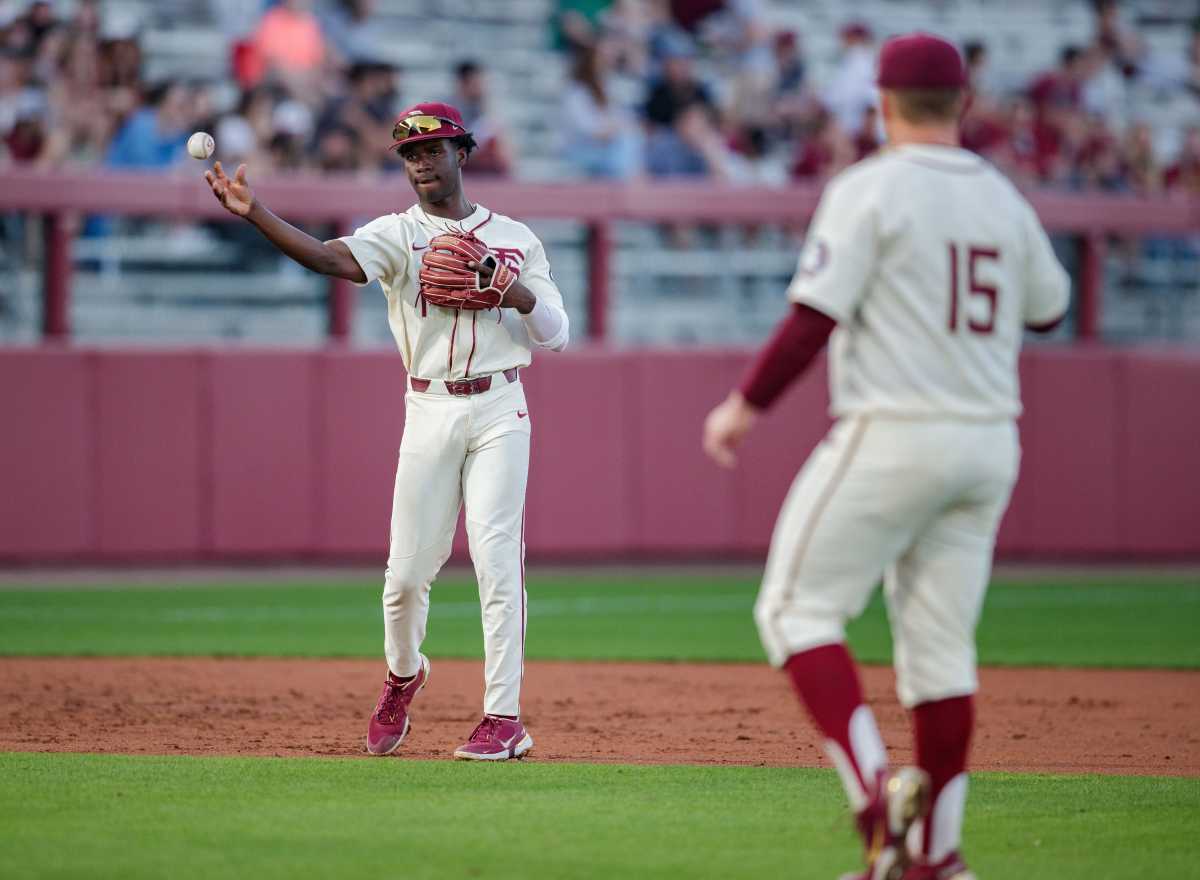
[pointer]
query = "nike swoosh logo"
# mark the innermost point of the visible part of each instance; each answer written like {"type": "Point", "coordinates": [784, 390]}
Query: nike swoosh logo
{"type": "Point", "coordinates": [521, 415]}
{"type": "Point", "coordinates": [422, 248]}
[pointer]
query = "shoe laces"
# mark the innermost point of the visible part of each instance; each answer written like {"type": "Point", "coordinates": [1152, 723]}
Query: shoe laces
{"type": "Point", "coordinates": [392, 700]}
{"type": "Point", "coordinates": [485, 730]}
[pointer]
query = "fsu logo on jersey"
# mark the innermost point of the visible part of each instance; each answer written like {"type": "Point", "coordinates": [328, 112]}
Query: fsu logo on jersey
{"type": "Point", "coordinates": [511, 257]}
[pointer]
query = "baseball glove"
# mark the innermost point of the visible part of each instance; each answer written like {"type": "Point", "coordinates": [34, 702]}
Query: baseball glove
{"type": "Point", "coordinates": [447, 281]}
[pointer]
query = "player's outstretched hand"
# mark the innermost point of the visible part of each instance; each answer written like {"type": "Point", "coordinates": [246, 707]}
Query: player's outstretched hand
{"type": "Point", "coordinates": [726, 425]}
{"type": "Point", "coordinates": [235, 194]}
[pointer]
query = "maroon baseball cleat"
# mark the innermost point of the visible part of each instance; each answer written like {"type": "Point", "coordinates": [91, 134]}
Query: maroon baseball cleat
{"type": "Point", "coordinates": [496, 739]}
{"type": "Point", "coordinates": [389, 722]}
{"type": "Point", "coordinates": [950, 868]}
{"type": "Point", "coordinates": [900, 798]}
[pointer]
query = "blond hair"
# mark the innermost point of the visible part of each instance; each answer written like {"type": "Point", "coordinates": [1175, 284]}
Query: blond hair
{"type": "Point", "coordinates": [918, 106]}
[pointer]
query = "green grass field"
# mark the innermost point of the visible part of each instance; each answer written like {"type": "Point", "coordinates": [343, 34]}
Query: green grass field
{"type": "Point", "coordinates": [1117, 622]}
{"type": "Point", "coordinates": [209, 817]}
{"type": "Point", "coordinates": [128, 817]}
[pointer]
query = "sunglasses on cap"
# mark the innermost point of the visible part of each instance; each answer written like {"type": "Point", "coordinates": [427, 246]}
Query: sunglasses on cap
{"type": "Point", "coordinates": [410, 126]}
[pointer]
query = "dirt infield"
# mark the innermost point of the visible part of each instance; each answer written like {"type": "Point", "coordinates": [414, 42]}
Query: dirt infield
{"type": "Point", "coordinates": [1042, 720]}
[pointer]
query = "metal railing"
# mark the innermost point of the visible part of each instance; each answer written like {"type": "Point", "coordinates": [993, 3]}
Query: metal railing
{"type": "Point", "coordinates": [61, 198]}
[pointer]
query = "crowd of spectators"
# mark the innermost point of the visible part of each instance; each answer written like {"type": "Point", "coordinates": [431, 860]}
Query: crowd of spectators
{"type": "Point", "coordinates": [305, 91]}
{"type": "Point", "coordinates": [656, 88]}
{"type": "Point", "coordinates": [1075, 126]}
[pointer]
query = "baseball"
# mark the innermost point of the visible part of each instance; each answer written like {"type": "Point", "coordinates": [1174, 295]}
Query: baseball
{"type": "Point", "coordinates": [201, 145]}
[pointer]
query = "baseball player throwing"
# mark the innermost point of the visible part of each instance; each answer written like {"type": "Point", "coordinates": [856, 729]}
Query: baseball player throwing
{"type": "Point", "coordinates": [925, 265]}
{"type": "Point", "coordinates": [469, 294]}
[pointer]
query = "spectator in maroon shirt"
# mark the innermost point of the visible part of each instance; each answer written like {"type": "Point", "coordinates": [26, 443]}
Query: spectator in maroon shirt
{"type": "Point", "coordinates": [1101, 167]}
{"type": "Point", "coordinates": [1062, 86]}
{"type": "Point", "coordinates": [1056, 96]}
{"type": "Point", "coordinates": [983, 128]}
{"type": "Point", "coordinates": [983, 133]}
{"type": "Point", "coordinates": [689, 13]}
{"type": "Point", "coordinates": [1018, 155]}
{"type": "Point", "coordinates": [1184, 175]}
{"type": "Point", "coordinates": [823, 153]}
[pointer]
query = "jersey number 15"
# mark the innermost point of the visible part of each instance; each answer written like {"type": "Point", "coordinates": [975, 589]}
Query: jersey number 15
{"type": "Point", "coordinates": [975, 288]}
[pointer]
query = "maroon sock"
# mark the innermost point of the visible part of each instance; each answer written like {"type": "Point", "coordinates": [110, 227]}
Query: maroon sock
{"type": "Point", "coordinates": [943, 738]}
{"type": "Point", "coordinates": [826, 681]}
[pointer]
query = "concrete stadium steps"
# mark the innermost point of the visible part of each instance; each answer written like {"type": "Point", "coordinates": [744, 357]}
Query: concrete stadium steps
{"type": "Point", "coordinates": [283, 308]}
{"type": "Point", "coordinates": [20, 306]}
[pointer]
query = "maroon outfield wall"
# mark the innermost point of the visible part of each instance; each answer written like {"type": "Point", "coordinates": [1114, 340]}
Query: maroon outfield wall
{"type": "Point", "coordinates": [213, 455]}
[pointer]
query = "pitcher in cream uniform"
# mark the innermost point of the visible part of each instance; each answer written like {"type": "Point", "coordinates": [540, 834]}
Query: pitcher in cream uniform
{"type": "Point", "coordinates": [467, 425]}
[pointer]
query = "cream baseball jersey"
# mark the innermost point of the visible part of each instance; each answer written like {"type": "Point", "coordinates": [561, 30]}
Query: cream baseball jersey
{"type": "Point", "coordinates": [439, 343]}
{"type": "Point", "coordinates": [932, 264]}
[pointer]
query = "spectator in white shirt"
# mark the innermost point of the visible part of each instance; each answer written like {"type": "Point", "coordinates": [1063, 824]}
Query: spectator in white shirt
{"type": "Point", "coordinates": [852, 91]}
{"type": "Point", "coordinates": [602, 139]}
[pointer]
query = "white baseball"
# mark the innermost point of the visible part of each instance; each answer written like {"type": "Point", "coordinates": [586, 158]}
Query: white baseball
{"type": "Point", "coordinates": [201, 145]}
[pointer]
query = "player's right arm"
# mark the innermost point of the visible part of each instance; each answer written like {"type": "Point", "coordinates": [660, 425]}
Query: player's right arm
{"type": "Point", "coordinates": [835, 264]}
{"type": "Point", "coordinates": [797, 341]}
{"type": "Point", "coordinates": [327, 257]}
{"type": "Point", "coordinates": [1047, 284]}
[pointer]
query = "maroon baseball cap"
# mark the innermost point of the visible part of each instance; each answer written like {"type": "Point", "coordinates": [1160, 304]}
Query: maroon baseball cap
{"type": "Point", "coordinates": [424, 122]}
{"type": "Point", "coordinates": [921, 61]}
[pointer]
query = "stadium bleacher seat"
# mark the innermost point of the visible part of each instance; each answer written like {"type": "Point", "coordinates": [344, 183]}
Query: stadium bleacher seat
{"type": "Point", "coordinates": [182, 39]}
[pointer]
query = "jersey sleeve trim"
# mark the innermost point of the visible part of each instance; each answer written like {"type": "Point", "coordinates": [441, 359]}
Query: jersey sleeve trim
{"type": "Point", "coordinates": [818, 305]}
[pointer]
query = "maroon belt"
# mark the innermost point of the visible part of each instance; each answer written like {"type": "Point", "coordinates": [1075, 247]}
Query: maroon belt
{"type": "Point", "coordinates": [464, 387]}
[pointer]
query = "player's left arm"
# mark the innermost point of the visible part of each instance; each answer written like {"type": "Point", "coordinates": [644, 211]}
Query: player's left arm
{"type": "Point", "coordinates": [537, 299]}
{"type": "Point", "coordinates": [1047, 284]}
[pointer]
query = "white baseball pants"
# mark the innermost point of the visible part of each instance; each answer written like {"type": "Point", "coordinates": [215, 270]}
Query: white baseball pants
{"type": "Point", "coordinates": [472, 449]}
{"type": "Point", "coordinates": [917, 502]}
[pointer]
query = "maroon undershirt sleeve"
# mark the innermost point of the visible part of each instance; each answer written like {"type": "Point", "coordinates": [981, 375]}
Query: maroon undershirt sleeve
{"type": "Point", "coordinates": [798, 339]}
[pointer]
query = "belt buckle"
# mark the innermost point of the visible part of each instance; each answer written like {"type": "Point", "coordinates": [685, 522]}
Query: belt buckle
{"type": "Point", "coordinates": [460, 387]}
